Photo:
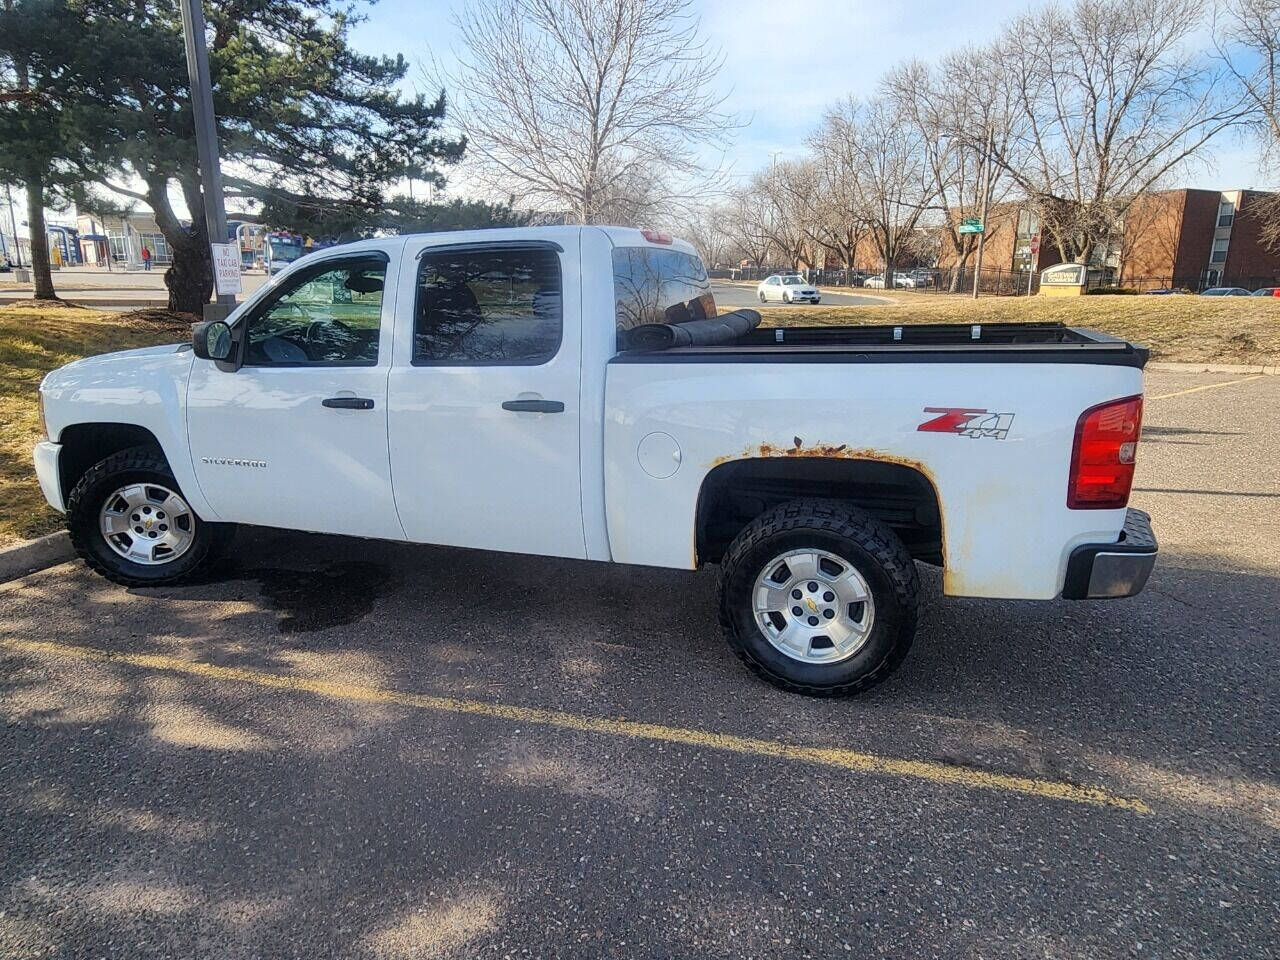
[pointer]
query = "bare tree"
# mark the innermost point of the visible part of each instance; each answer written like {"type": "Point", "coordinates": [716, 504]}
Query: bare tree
{"type": "Point", "coordinates": [1110, 102]}
{"type": "Point", "coordinates": [745, 223]}
{"type": "Point", "coordinates": [594, 108]}
{"type": "Point", "coordinates": [706, 228]}
{"type": "Point", "coordinates": [1247, 36]}
{"type": "Point", "coordinates": [785, 194]}
{"type": "Point", "coordinates": [958, 106]}
{"type": "Point", "coordinates": [880, 161]}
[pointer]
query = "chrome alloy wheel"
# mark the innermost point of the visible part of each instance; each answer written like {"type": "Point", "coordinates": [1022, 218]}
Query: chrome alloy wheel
{"type": "Point", "coordinates": [813, 606]}
{"type": "Point", "coordinates": [147, 523]}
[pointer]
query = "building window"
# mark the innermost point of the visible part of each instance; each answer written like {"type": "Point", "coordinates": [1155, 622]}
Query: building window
{"type": "Point", "coordinates": [155, 242]}
{"type": "Point", "coordinates": [1219, 254]}
{"type": "Point", "coordinates": [1226, 213]}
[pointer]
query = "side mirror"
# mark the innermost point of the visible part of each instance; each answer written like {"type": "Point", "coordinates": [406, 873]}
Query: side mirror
{"type": "Point", "coordinates": [211, 340]}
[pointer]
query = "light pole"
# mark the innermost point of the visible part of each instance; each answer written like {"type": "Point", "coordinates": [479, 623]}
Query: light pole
{"type": "Point", "coordinates": [982, 215]}
{"type": "Point", "coordinates": [215, 214]}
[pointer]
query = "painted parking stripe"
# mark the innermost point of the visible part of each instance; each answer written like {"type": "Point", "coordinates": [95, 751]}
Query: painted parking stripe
{"type": "Point", "coordinates": [1207, 386]}
{"type": "Point", "coordinates": [850, 760]}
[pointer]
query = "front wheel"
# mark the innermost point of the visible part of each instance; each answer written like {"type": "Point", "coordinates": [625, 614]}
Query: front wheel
{"type": "Point", "coordinates": [786, 298]}
{"type": "Point", "coordinates": [818, 597]}
{"type": "Point", "coordinates": [762, 296]}
{"type": "Point", "coordinates": [129, 521]}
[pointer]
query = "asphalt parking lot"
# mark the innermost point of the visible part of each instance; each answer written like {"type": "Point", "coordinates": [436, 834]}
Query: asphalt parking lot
{"type": "Point", "coordinates": [339, 748]}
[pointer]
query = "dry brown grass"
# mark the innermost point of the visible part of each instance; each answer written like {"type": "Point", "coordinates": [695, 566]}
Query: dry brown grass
{"type": "Point", "coordinates": [33, 341]}
{"type": "Point", "coordinates": [1176, 328]}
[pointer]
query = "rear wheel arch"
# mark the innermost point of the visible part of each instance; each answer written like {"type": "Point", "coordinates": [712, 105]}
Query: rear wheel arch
{"type": "Point", "coordinates": [903, 497]}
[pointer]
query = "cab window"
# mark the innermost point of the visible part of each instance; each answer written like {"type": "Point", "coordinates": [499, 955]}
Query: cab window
{"type": "Point", "coordinates": [330, 315]}
{"type": "Point", "coordinates": [497, 305]}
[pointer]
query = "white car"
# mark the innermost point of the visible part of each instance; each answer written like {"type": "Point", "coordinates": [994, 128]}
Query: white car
{"type": "Point", "coordinates": [901, 281]}
{"type": "Point", "coordinates": [787, 288]}
{"type": "Point", "coordinates": [575, 392]}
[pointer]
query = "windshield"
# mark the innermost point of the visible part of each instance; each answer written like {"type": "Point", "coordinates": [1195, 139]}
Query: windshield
{"type": "Point", "coordinates": [283, 249]}
{"type": "Point", "coordinates": [793, 281]}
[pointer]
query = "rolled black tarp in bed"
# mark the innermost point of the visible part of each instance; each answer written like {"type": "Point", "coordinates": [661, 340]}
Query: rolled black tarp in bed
{"type": "Point", "coordinates": [696, 333]}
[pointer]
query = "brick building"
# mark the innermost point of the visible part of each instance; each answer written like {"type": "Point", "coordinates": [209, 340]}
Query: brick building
{"type": "Point", "coordinates": [1180, 238]}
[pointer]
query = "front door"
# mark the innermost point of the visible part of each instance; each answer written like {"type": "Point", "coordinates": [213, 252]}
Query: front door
{"type": "Point", "coordinates": [297, 436]}
{"type": "Point", "coordinates": [485, 398]}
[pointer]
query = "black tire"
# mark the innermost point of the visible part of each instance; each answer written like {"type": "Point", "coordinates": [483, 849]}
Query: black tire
{"type": "Point", "coordinates": [134, 465]}
{"type": "Point", "coordinates": [859, 539]}
{"type": "Point", "coordinates": [762, 297]}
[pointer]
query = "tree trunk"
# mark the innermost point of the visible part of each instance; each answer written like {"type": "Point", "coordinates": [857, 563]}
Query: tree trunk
{"type": "Point", "coordinates": [190, 278]}
{"type": "Point", "coordinates": [41, 272]}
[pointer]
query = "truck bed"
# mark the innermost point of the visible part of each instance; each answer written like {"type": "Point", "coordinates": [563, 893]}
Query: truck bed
{"type": "Point", "coordinates": [910, 343]}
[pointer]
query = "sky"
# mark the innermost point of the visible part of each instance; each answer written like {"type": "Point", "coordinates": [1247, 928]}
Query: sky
{"type": "Point", "coordinates": [786, 61]}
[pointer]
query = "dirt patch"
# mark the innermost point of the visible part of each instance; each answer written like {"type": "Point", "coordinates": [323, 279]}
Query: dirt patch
{"type": "Point", "coordinates": [155, 318]}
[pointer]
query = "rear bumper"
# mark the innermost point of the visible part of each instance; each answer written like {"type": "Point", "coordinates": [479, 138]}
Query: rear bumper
{"type": "Point", "coordinates": [1097, 571]}
{"type": "Point", "coordinates": [45, 456]}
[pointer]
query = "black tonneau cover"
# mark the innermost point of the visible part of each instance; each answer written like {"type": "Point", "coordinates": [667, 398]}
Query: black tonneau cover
{"type": "Point", "coordinates": [909, 343]}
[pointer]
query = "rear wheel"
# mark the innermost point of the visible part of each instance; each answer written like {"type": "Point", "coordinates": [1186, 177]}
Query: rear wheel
{"type": "Point", "coordinates": [819, 597]}
{"type": "Point", "coordinates": [130, 522]}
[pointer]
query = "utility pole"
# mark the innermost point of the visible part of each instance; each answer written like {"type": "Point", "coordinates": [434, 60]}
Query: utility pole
{"type": "Point", "coordinates": [13, 225]}
{"type": "Point", "coordinates": [215, 214]}
{"type": "Point", "coordinates": [982, 213]}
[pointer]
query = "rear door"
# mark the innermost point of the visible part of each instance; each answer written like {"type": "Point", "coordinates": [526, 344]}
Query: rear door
{"type": "Point", "coordinates": [484, 396]}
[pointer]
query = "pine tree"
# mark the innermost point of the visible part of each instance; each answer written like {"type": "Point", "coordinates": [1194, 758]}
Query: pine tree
{"type": "Point", "coordinates": [313, 135]}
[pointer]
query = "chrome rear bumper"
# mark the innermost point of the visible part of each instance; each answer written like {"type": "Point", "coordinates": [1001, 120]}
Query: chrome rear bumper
{"type": "Point", "coordinates": [1097, 571]}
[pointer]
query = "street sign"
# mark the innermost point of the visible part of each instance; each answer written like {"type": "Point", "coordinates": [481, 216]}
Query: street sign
{"type": "Point", "coordinates": [971, 225]}
{"type": "Point", "coordinates": [226, 268]}
{"type": "Point", "coordinates": [1035, 244]}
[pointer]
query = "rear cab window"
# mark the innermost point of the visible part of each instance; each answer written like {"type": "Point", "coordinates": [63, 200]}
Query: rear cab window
{"type": "Point", "coordinates": [482, 306]}
{"type": "Point", "coordinates": [652, 285]}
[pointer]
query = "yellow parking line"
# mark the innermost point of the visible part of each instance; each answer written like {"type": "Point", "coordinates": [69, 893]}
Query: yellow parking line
{"type": "Point", "coordinates": [840, 758]}
{"type": "Point", "coordinates": [1207, 386]}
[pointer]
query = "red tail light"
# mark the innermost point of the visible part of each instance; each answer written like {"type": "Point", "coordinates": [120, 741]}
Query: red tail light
{"type": "Point", "coordinates": [654, 236]}
{"type": "Point", "coordinates": [1103, 458]}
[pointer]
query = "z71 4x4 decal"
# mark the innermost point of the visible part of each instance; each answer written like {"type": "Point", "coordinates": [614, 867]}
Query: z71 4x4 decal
{"type": "Point", "coordinates": [967, 422]}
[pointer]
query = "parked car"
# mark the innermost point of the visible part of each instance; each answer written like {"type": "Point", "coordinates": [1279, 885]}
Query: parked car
{"type": "Point", "coordinates": [1225, 292]}
{"type": "Point", "coordinates": [787, 288]}
{"type": "Point", "coordinates": [900, 281]}
{"type": "Point", "coordinates": [1165, 291]}
{"type": "Point", "coordinates": [1267, 292]}
{"type": "Point", "coordinates": [552, 391]}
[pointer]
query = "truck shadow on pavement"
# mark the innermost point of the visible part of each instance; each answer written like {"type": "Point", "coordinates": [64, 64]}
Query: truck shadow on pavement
{"type": "Point", "coordinates": [189, 817]}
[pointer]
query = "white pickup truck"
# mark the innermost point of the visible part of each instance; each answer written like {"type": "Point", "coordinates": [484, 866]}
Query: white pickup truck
{"type": "Point", "coordinates": [572, 392]}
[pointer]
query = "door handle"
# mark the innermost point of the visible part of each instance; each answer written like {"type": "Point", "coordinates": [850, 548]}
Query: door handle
{"type": "Point", "coordinates": [348, 403]}
{"type": "Point", "coordinates": [533, 406]}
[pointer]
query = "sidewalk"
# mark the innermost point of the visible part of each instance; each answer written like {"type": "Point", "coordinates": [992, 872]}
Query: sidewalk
{"type": "Point", "coordinates": [110, 289]}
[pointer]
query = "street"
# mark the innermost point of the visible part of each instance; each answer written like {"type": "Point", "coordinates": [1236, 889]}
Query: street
{"type": "Point", "coordinates": [131, 291]}
{"type": "Point", "coordinates": [731, 296]}
{"type": "Point", "coordinates": [345, 748]}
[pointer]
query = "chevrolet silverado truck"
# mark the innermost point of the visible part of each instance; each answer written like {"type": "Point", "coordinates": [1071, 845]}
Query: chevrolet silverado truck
{"type": "Point", "coordinates": [574, 392]}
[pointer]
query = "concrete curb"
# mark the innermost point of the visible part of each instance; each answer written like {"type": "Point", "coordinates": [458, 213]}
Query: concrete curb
{"type": "Point", "coordinates": [32, 555]}
{"type": "Point", "coordinates": [1168, 366]}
